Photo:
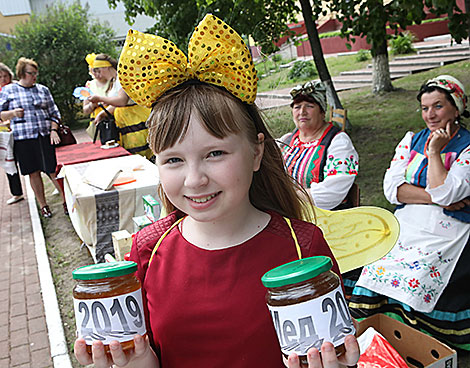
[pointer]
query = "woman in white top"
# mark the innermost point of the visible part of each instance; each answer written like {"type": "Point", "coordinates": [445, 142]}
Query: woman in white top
{"type": "Point", "coordinates": [423, 279]}
{"type": "Point", "coordinates": [130, 118]}
{"type": "Point", "coordinates": [317, 154]}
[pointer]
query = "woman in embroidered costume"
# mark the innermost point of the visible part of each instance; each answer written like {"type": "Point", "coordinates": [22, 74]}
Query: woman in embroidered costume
{"type": "Point", "coordinates": [317, 154]}
{"type": "Point", "coordinates": [222, 176]}
{"type": "Point", "coordinates": [422, 279]}
{"type": "Point", "coordinates": [130, 118]}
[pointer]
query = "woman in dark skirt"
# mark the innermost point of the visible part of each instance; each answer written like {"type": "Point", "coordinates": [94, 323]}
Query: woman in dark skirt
{"type": "Point", "coordinates": [34, 119]}
{"type": "Point", "coordinates": [423, 280]}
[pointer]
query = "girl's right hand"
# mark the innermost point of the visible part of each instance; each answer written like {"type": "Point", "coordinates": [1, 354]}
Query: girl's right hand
{"type": "Point", "coordinates": [141, 356]}
{"type": "Point", "coordinates": [328, 358]}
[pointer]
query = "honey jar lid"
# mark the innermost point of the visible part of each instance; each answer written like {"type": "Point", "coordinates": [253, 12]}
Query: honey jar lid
{"type": "Point", "coordinates": [104, 270]}
{"type": "Point", "coordinates": [296, 271]}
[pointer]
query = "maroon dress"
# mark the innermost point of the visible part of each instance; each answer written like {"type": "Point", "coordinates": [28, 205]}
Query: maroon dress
{"type": "Point", "coordinates": [206, 308]}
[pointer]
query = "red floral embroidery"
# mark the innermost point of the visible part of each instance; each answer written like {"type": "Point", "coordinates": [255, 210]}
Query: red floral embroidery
{"type": "Point", "coordinates": [413, 283]}
{"type": "Point", "coordinates": [434, 272]}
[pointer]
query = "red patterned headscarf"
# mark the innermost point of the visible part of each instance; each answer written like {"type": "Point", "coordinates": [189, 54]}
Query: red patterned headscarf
{"type": "Point", "coordinates": [454, 87]}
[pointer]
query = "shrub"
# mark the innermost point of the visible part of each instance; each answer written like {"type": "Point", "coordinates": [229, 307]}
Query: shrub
{"type": "Point", "coordinates": [277, 58]}
{"type": "Point", "coordinates": [302, 70]}
{"type": "Point", "coordinates": [58, 41]}
{"type": "Point", "coordinates": [402, 44]}
{"type": "Point", "coordinates": [363, 55]}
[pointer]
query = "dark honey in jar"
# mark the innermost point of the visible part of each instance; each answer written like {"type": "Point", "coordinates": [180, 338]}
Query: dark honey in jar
{"type": "Point", "coordinates": [108, 304]}
{"type": "Point", "coordinates": [307, 305]}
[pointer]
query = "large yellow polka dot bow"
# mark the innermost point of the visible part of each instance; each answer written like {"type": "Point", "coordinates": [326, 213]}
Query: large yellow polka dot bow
{"type": "Point", "coordinates": [150, 65]}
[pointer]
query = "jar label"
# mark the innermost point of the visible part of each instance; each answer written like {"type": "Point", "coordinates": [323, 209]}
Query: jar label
{"type": "Point", "coordinates": [116, 318]}
{"type": "Point", "coordinates": [308, 324]}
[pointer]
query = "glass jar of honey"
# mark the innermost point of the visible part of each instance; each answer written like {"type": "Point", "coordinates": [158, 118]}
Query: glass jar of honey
{"type": "Point", "coordinates": [108, 304]}
{"type": "Point", "coordinates": [307, 305]}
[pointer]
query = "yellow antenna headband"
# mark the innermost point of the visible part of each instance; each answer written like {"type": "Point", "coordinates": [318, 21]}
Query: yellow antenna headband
{"type": "Point", "coordinates": [93, 63]}
{"type": "Point", "coordinates": [150, 65]}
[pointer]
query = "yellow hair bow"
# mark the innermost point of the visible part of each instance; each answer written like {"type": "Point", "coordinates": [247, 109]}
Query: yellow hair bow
{"type": "Point", "coordinates": [93, 63]}
{"type": "Point", "coordinates": [90, 58]}
{"type": "Point", "coordinates": [150, 65]}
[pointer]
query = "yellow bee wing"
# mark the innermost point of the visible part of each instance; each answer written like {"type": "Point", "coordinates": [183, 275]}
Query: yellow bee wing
{"type": "Point", "coordinates": [357, 236]}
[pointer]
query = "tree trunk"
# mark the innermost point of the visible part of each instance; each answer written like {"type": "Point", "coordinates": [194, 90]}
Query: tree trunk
{"type": "Point", "coordinates": [467, 11]}
{"type": "Point", "coordinates": [317, 52]}
{"type": "Point", "coordinates": [381, 81]}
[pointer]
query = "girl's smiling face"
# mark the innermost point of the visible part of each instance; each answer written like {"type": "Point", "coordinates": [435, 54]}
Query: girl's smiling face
{"type": "Point", "coordinates": [209, 178]}
{"type": "Point", "coordinates": [437, 110]}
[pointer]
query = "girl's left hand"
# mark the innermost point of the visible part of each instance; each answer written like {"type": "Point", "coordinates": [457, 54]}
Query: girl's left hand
{"type": "Point", "coordinates": [328, 358]}
{"type": "Point", "coordinates": [55, 139]}
{"type": "Point", "coordinates": [439, 138]}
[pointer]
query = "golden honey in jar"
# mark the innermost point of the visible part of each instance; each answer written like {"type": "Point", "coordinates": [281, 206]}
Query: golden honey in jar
{"type": "Point", "coordinates": [108, 305]}
{"type": "Point", "coordinates": [307, 305]}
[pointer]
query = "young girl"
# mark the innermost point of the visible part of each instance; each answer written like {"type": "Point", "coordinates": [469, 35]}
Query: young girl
{"type": "Point", "coordinates": [221, 173]}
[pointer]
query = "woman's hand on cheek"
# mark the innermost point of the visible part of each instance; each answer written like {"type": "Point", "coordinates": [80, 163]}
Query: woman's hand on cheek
{"type": "Point", "coordinates": [439, 139]}
{"type": "Point", "coordinates": [328, 358]}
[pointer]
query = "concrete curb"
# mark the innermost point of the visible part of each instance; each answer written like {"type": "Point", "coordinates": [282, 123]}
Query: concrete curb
{"type": "Point", "coordinates": [58, 344]}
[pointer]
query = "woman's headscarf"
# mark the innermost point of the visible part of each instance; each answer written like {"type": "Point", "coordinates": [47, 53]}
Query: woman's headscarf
{"type": "Point", "coordinates": [314, 89]}
{"type": "Point", "coordinates": [454, 87]}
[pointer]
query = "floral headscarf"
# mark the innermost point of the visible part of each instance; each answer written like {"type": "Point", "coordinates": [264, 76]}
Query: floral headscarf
{"type": "Point", "coordinates": [454, 87]}
{"type": "Point", "coordinates": [314, 89]}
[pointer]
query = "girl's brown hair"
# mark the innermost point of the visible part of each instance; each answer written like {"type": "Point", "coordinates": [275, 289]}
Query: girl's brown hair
{"type": "Point", "coordinates": [223, 114]}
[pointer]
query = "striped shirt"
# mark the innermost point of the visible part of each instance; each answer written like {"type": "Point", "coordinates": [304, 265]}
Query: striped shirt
{"type": "Point", "coordinates": [39, 109]}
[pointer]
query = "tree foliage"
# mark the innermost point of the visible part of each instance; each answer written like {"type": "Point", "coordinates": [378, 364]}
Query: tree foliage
{"type": "Point", "coordinates": [369, 18]}
{"type": "Point", "coordinates": [58, 41]}
{"type": "Point", "coordinates": [265, 20]}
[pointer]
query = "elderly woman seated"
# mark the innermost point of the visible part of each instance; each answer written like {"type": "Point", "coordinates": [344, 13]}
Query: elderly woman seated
{"type": "Point", "coordinates": [422, 280]}
{"type": "Point", "coordinates": [317, 154]}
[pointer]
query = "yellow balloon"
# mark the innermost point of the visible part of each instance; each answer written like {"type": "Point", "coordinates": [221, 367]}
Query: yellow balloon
{"type": "Point", "coordinates": [357, 236]}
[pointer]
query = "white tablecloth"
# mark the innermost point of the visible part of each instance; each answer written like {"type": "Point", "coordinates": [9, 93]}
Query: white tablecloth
{"type": "Point", "coordinates": [96, 213]}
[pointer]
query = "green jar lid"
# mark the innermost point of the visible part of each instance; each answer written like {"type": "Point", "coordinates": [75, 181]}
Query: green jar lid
{"type": "Point", "coordinates": [296, 271]}
{"type": "Point", "coordinates": [104, 270]}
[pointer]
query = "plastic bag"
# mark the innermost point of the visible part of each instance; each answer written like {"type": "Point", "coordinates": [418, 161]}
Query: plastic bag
{"type": "Point", "coordinates": [376, 352]}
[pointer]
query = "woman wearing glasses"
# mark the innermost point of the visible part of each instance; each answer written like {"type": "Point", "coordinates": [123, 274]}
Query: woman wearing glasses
{"type": "Point", "coordinates": [317, 154]}
{"type": "Point", "coordinates": [34, 119]}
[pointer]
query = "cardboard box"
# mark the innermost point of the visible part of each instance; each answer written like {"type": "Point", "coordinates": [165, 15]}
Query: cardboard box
{"type": "Point", "coordinates": [122, 243]}
{"type": "Point", "coordinates": [140, 222]}
{"type": "Point", "coordinates": [416, 348]}
{"type": "Point", "coordinates": [151, 207]}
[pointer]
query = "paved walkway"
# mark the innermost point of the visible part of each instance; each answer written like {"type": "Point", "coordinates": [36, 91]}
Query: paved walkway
{"type": "Point", "coordinates": [29, 315]}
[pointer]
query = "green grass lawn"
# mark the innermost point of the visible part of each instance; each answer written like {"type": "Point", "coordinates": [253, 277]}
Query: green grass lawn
{"type": "Point", "coordinates": [378, 124]}
{"type": "Point", "coordinates": [279, 79]}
